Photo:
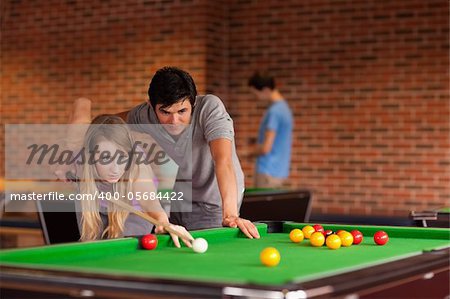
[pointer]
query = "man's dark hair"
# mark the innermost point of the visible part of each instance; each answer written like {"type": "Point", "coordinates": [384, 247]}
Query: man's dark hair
{"type": "Point", "coordinates": [261, 80]}
{"type": "Point", "coordinates": [170, 85]}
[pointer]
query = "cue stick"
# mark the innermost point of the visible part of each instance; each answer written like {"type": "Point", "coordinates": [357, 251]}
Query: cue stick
{"type": "Point", "coordinates": [71, 177]}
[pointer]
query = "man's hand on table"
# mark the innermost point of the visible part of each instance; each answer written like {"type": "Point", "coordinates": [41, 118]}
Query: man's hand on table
{"type": "Point", "coordinates": [246, 226]}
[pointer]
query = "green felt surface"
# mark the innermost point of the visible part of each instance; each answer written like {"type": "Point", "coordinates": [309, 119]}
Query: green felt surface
{"type": "Point", "coordinates": [231, 258]}
{"type": "Point", "coordinates": [444, 210]}
{"type": "Point", "coordinates": [250, 191]}
{"type": "Point", "coordinates": [264, 191]}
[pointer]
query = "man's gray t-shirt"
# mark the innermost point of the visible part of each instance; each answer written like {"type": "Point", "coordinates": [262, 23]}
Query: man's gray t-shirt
{"type": "Point", "coordinates": [196, 177]}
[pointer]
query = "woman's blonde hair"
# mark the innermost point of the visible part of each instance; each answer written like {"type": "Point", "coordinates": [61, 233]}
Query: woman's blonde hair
{"type": "Point", "coordinates": [113, 129]}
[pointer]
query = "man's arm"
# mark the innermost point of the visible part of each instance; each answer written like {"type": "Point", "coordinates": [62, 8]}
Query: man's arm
{"type": "Point", "coordinates": [123, 115]}
{"type": "Point", "coordinates": [80, 118]}
{"type": "Point", "coordinates": [221, 151]}
{"type": "Point", "coordinates": [81, 111]}
{"type": "Point", "coordinates": [266, 146]}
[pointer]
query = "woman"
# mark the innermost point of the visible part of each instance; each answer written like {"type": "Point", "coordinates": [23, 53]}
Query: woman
{"type": "Point", "coordinates": [110, 171]}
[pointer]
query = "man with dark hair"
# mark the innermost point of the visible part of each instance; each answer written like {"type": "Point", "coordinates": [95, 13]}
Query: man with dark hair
{"type": "Point", "coordinates": [273, 150]}
{"type": "Point", "coordinates": [169, 85]}
{"type": "Point", "coordinates": [198, 134]}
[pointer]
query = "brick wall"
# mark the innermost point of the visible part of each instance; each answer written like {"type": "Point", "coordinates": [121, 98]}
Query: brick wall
{"type": "Point", "coordinates": [217, 48]}
{"type": "Point", "coordinates": [55, 51]}
{"type": "Point", "coordinates": [367, 81]}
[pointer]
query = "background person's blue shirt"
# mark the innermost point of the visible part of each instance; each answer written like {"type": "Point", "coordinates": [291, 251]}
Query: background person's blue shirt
{"type": "Point", "coordinates": [279, 119]}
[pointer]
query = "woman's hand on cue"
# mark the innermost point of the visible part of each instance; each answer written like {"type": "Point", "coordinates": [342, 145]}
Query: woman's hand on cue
{"type": "Point", "coordinates": [181, 231]}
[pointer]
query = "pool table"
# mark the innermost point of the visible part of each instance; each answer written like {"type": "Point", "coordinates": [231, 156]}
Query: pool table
{"type": "Point", "coordinates": [436, 218]}
{"type": "Point", "coordinates": [265, 204]}
{"type": "Point", "coordinates": [231, 266]}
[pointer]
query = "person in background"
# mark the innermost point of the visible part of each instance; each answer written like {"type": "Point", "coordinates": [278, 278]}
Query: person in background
{"type": "Point", "coordinates": [273, 150]}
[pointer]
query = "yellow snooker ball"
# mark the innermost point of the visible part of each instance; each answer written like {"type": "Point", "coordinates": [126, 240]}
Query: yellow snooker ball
{"type": "Point", "coordinates": [317, 239]}
{"type": "Point", "coordinates": [346, 239]}
{"type": "Point", "coordinates": [341, 232]}
{"type": "Point", "coordinates": [296, 235]}
{"type": "Point", "coordinates": [308, 231]}
{"type": "Point", "coordinates": [333, 242]}
{"type": "Point", "coordinates": [270, 257]}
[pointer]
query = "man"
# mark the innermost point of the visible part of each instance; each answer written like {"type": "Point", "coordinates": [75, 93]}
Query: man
{"type": "Point", "coordinates": [273, 150]}
{"type": "Point", "coordinates": [198, 134]}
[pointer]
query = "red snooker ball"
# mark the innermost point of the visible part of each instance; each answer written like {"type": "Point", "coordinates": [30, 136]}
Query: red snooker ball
{"type": "Point", "coordinates": [149, 242]}
{"type": "Point", "coordinates": [381, 237]}
{"type": "Point", "coordinates": [327, 232]}
{"type": "Point", "coordinates": [357, 236]}
{"type": "Point", "coordinates": [318, 228]}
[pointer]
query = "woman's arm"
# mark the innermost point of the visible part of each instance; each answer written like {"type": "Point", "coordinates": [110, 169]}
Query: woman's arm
{"type": "Point", "coordinates": [144, 184]}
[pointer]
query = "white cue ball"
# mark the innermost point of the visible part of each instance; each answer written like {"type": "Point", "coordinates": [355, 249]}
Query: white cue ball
{"type": "Point", "coordinates": [200, 245]}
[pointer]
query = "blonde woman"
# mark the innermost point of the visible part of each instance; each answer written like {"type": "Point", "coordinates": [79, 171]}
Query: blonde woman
{"type": "Point", "coordinates": [109, 169]}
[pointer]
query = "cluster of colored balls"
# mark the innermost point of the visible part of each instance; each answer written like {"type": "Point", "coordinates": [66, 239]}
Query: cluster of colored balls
{"type": "Point", "coordinates": [318, 236]}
